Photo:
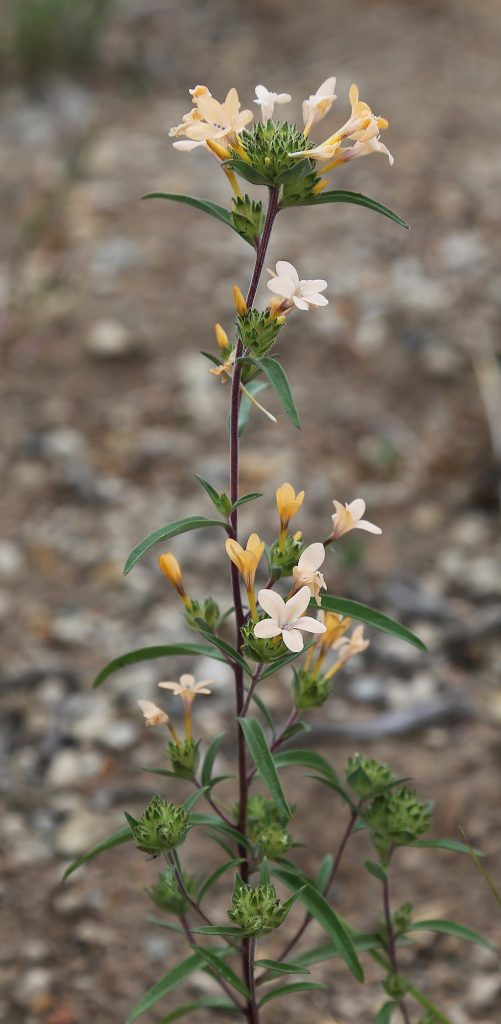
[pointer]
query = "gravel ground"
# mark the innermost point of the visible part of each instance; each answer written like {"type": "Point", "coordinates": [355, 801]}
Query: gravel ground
{"type": "Point", "coordinates": [108, 412]}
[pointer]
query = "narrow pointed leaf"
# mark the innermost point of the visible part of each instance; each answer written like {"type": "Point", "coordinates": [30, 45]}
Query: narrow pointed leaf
{"type": "Point", "coordinates": [192, 799]}
{"type": "Point", "coordinates": [205, 205]}
{"type": "Point", "coordinates": [281, 967]}
{"type": "Point", "coordinates": [232, 654]}
{"type": "Point", "coordinates": [247, 497]}
{"type": "Point", "coordinates": [444, 844]}
{"type": "Point", "coordinates": [165, 985]}
{"type": "Point", "coordinates": [385, 1013]}
{"type": "Point", "coordinates": [213, 1002]}
{"type": "Point", "coordinates": [265, 712]}
{"type": "Point", "coordinates": [278, 380]}
{"type": "Point", "coordinates": [326, 917]}
{"type": "Point", "coordinates": [223, 970]}
{"type": "Point", "coordinates": [451, 928]}
{"type": "Point", "coordinates": [340, 791]}
{"type": "Point", "coordinates": [328, 950]}
{"type": "Point", "coordinates": [122, 836]}
{"type": "Point", "coordinates": [294, 729]}
{"type": "Point", "coordinates": [339, 195]}
{"type": "Point", "coordinates": [263, 760]}
{"type": "Point", "coordinates": [376, 871]}
{"type": "Point", "coordinates": [290, 990]}
{"type": "Point", "coordinates": [213, 822]}
{"type": "Point", "coordinates": [246, 171]}
{"type": "Point", "coordinates": [306, 759]}
{"type": "Point", "coordinates": [324, 872]}
{"type": "Point", "coordinates": [218, 929]}
{"type": "Point", "coordinates": [371, 617]}
{"type": "Point", "coordinates": [210, 758]}
{"type": "Point", "coordinates": [284, 660]}
{"type": "Point", "coordinates": [151, 653]}
{"type": "Point", "coordinates": [164, 924]}
{"type": "Point", "coordinates": [166, 532]}
{"type": "Point", "coordinates": [213, 878]}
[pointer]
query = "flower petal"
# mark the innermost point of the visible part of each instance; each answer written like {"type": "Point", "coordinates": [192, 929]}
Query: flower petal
{"type": "Point", "coordinates": [356, 508]}
{"type": "Point", "coordinates": [297, 605]}
{"type": "Point", "coordinates": [293, 640]}
{"type": "Point", "coordinates": [285, 269]}
{"type": "Point", "coordinates": [266, 628]}
{"type": "Point", "coordinates": [310, 624]}
{"type": "Point", "coordinates": [309, 287]}
{"type": "Point", "coordinates": [187, 680]}
{"type": "Point", "coordinates": [282, 286]}
{"type": "Point", "coordinates": [299, 302]}
{"type": "Point", "coordinates": [317, 300]}
{"type": "Point", "coordinates": [272, 604]}
{"type": "Point", "coordinates": [364, 524]}
{"type": "Point", "coordinates": [312, 558]}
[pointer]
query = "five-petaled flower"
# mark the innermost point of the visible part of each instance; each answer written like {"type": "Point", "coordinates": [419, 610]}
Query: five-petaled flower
{"type": "Point", "coordinates": [303, 294]}
{"type": "Point", "coordinates": [187, 689]}
{"type": "Point", "coordinates": [349, 517]}
{"type": "Point", "coordinates": [286, 618]}
{"type": "Point", "coordinates": [267, 100]}
{"type": "Point", "coordinates": [318, 105]}
{"type": "Point", "coordinates": [153, 715]}
{"type": "Point", "coordinates": [306, 572]}
{"type": "Point", "coordinates": [211, 120]}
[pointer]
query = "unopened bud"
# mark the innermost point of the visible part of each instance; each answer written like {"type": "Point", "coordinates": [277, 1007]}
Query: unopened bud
{"type": "Point", "coordinates": [256, 910]}
{"type": "Point", "coordinates": [240, 303]}
{"type": "Point", "coordinates": [171, 568]}
{"type": "Point", "coordinates": [221, 337]}
{"type": "Point", "coordinates": [153, 715]}
{"type": "Point", "coordinates": [162, 826]}
{"type": "Point", "coordinates": [219, 151]}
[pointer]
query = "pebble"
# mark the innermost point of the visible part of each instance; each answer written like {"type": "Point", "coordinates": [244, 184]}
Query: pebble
{"type": "Point", "coordinates": [120, 735]}
{"type": "Point", "coordinates": [79, 832]}
{"type": "Point", "coordinates": [70, 767]}
{"type": "Point", "coordinates": [32, 984]}
{"type": "Point", "coordinates": [109, 339]}
{"type": "Point", "coordinates": [483, 992]}
{"type": "Point", "coordinates": [11, 559]}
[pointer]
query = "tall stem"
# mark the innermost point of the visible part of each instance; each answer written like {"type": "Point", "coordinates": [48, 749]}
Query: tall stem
{"type": "Point", "coordinates": [252, 1010]}
{"type": "Point", "coordinates": [392, 945]}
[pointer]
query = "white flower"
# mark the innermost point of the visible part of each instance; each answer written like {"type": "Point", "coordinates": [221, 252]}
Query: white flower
{"type": "Point", "coordinates": [317, 106]}
{"type": "Point", "coordinates": [210, 119]}
{"type": "Point", "coordinates": [306, 571]}
{"type": "Point", "coordinates": [365, 148]}
{"type": "Point", "coordinates": [286, 619]}
{"type": "Point", "coordinates": [266, 100]}
{"type": "Point", "coordinates": [152, 713]}
{"type": "Point", "coordinates": [285, 282]}
{"type": "Point", "coordinates": [349, 517]}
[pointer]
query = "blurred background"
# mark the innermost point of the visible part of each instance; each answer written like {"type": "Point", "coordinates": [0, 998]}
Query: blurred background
{"type": "Point", "coordinates": [108, 411]}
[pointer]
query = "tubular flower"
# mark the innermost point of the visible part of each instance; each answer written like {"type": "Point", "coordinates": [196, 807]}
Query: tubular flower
{"type": "Point", "coordinates": [153, 715]}
{"type": "Point", "coordinates": [187, 689]}
{"type": "Point", "coordinates": [211, 120]}
{"type": "Point", "coordinates": [288, 503]}
{"type": "Point", "coordinates": [267, 100]}
{"type": "Point", "coordinates": [349, 517]}
{"type": "Point", "coordinates": [362, 126]}
{"type": "Point", "coordinates": [170, 567]}
{"type": "Point", "coordinates": [225, 370]}
{"type": "Point", "coordinates": [306, 571]}
{"type": "Point", "coordinates": [247, 561]}
{"type": "Point", "coordinates": [335, 627]}
{"type": "Point", "coordinates": [303, 294]}
{"type": "Point", "coordinates": [347, 647]}
{"type": "Point", "coordinates": [317, 106]}
{"type": "Point", "coordinates": [286, 619]}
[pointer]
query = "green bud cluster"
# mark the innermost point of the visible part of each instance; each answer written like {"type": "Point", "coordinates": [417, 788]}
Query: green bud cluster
{"type": "Point", "coordinates": [247, 218]}
{"type": "Point", "coordinates": [395, 986]}
{"type": "Point", "coordinates": [299, 183]}
{"type": "Point", "coordinates": [283, 562]}
{"type": "Point", "coordinates": [266, 827]}
{"type": "Point", "coordinates": [258, 331]}
{"type": "Point", "coordinates": [366, 776]}
{"type": "Point", "coordinates": [184, 759]}
{"type": "Point", "coordinates": [310, 691]}
{"type": "Point", "coordinates": [260, 650]}
{"type": "Point", "coordinates": [397, 818]}
{"type": "Point", "coordinates": [204, 614]}
{"type": "Point", "coordinates": [162, 826]}
{"type": "Point", "coordinates": [166, 893]}
{"type": "Point", "coordinates": [256, 910]}
{"type": "Point", "coordinates": [268, 144]}
{"type": "Point", "coordinates": [402, 918]}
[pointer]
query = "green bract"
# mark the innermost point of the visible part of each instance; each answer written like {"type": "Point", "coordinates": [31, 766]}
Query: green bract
{"type": "Point", "coordinates": [283, 560]}
{"type": "Point", "coordinates": [203, 614]}
{"type": "Point", "coordinates": [166, 894]}
{"type": "Point", "coordinates": [256, 910]}
{"type": "Point", "coordinates": [184, 759]}
{"type": "Point", "coordinates": [262, 651]}
{"type": "Point", "coordinates": [366, 776]}
{"type": "Point", "coordinates": [397, 818]}
{"type": "Point", "coordinates": [258, 331]}
{"type": "Point", "coordinates": [267, 147]}
{"type": "Point", "coordinates": [310, 691]}
{"type": "Point", "coordinates": [247, 218]}
{"type": "Point", "coordinates": [162, 826]}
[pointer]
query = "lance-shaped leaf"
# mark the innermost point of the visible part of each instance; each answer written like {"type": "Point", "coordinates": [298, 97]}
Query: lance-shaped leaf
{"type": "Point", "coordinates": [205, 205]}
{"type": "Point", "coordinates": [213, 1002]}
{"type": "Point", "coordinates": [290, 990]}
{"type": "Point", "coordinates": [326, 917]}
{"type": "Point", "coordinates": [213, 878]}
{"type": "Point", "coordinates": [222, 970]}
{"type": "Point", "coordinates": [281, 967]}
{"type": "Point", "coordinates": [246, 171]}
{"type": "Point", "coordinates": [165, 985]}
{"type": "Point", "coordinates": [210, 757]}
{"type": "Point", "coordinates": [231, 653]}
{"type": "Point", "coordinates": [444, 844]}
{"type": "Point", "coordinates": [451, 928]}
{"type": "Point", "coordinates": [306, 759]}
{"type": "Point", "coordinates": [370, 616]}
{"type": "Point", "coordinates": [278, 380]}
{"type": "Point", "coordinates": [122, 836]}
{"type": "Point", "coordinates": [150, 653]}
{"type": "Point", "coordinates": [385, 1014]}
{"type": "Point", "coordinates": [212, 821]}
{"type": "Point", "coordinates": [168, 531]}
{"type": "Point", "coordinates": [263, 760]}
{"type": "Point", "coordinates": [339, 195]}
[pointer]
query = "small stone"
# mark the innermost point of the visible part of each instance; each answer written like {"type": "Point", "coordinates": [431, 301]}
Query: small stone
{"type": "Point", "coordinates": [120, 735]}
{"type": "Point", "coordinates": [79, 832]}
{"type": "Point", "coordinates": [367, 689]}
{"type": "Point", "coordinates": [11, 559]}
{"type": "Point", "coordinates": [109, 339]}
{"type": "Point", "coordinates": [483, 992]}
{"type": "Point", "coordinates": [33, 983]}
{"type": "Point", "coordinates": [70, 767]}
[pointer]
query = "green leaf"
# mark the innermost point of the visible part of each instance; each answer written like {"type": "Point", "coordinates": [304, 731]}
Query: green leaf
{"type": "Point", "coordinates": [265, 712]}
{"type": "Point", "coordinates": [122, 836]}
{"type": "Point", "coordinates": [294, 729]}
{"type": "Point", "coordinates": [214, 1002]}
{"type": "Point", "coordinates": [451, 928]}
{"type": "Point", "coordinates": [341, 792]}
{"type": "Point", "coordinates": [281, 967]}
{"type": "Point", "coordinates": [328, 950]}
{"type": "Point", "coordinates": [428, 1005]}
{"type": "Point", "coordinates": [150, 653]}
{"type": "Point", "coordinates": [222, 970]}
{"type": "Point", "coordinates": [326, 917]}
{"type": "Point", "coordinates": [213, 878]}
{"type": "Point", "coordinates": [339, 195]}
{"type": "Point", "coordinates": [210, 757]}
{"type": "Point", "coordinates": [220, 501]}
{"type": "Point", "coordinates": [306, 759]}
{"type": "Point", "coordinates": [218, 929]}
{"type": "Point", "coordinates": [205, 205]}
{"type": "Point", "coordinates": [264, 872]}
{"type": "Point", "coordinates": [166, 532]}
{"type": "Point", "coordinates": [385, 1013]}
{"type": "Point", "coordinates": [283, 661]}
{"type": "Point", "coordinates": [444, 844]}
{"type": "Point", "coordinates": [254, 387]}
{"type": "Point", "coordinates": [192, 799]}
{"type": "Point", "coordinates": [212, 821]}
{"type": "Point", "coordinates": [376, 870]}
{"type": "Point", "coordinates": [263, 760]}
{"type": "Point", "coordinates": [278, 380]}
{"type": "Point", "coordinates": [231, 653]}
{"type": "Point", "coordinates": [290, 990]}
{"type": "Point", "coordinates": [246, 171]}
{"type": "Point", "coordinates": [165, 985]}
{"type": "Point", "coordinates": [164, 924]}
{"type": "Point", "coordinates": [324, 872]}
{"type": "Point", "coordinates": [370, 616]}
{"type": "Point", "coordinates": [247, 497]}
{"type": "Point", "coordinates": [161, 771]}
